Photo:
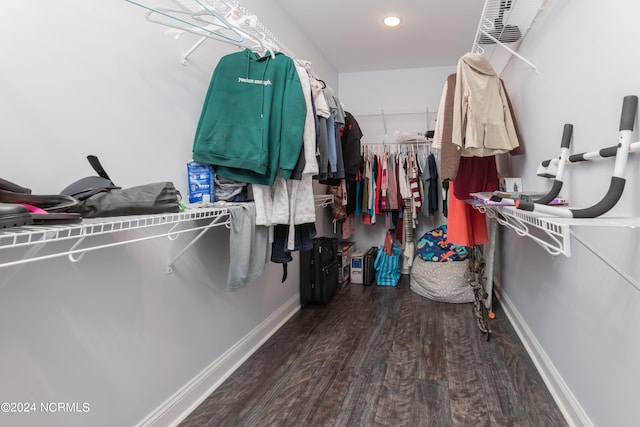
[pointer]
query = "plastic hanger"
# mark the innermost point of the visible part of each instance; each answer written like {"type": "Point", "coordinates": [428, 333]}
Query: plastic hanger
{"type": "Point", "coordinates": [265, 44]}
{"type": "Point", "coordinates": [193, 21]}
{"type": "Point", "coordinates": [239, 22]}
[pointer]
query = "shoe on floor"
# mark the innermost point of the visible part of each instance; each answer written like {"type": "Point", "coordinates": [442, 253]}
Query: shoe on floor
{"type": "Point", "coordinates": [12, 215]}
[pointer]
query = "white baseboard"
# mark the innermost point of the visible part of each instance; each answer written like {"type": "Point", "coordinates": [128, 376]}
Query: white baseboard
{"type": "Point", "coordinates": [564, 398]}
{"type": "Point", "coordinates": [184, 401]}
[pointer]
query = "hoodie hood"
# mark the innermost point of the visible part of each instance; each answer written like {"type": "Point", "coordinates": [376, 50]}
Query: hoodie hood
{"type": "Point", "coordinates": [478, 63]}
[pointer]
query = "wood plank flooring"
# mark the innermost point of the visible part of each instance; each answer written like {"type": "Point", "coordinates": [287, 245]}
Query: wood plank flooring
{"type": "Point", "coordinates": [379, 356]}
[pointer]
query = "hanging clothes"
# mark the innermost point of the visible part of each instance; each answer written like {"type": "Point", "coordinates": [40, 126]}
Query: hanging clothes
{"type": "Point", "coordinates": [322, 114]}
{"type": "Point", "coordinates": [480, 125]}
{"type": "Point", "coordinates": [416, 200]}
{"type": "Point", "coordinates": [475, 122]}
{"type": "Point", "coordinates": [442, 138]}
{"type": "Point", "coordinates": [260, 133]}
{"type": "Point", "coordinates": [431, 184]}
{"type": "Point", "coordinates": [290, 202]}
{"type": "Point", "coordinates": [331, 144]}
{"type": "Point", "coordinates": [392, 183]}
{"type": "Point", "coordinates": [476, 174]}
{"type": "Point", "coordinates": [443, 133]}
{"type": "Point", "coordinates": [351, 147]}
{"type": "Point", "coordinates": [466, 226]}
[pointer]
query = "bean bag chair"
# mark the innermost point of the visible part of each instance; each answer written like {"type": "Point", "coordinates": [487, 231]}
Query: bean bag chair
{"type": "Point", "coordinates": [442, 281]}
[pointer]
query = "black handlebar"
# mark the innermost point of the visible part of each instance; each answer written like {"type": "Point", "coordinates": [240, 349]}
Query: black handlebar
{"type": "Point", "coordinates": [629, 107]}
{"type": "Point", "coordinates": [566, 135]}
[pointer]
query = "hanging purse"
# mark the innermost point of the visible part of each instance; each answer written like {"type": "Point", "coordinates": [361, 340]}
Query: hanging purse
{"type": "Point", "coordinates": [338, 210]}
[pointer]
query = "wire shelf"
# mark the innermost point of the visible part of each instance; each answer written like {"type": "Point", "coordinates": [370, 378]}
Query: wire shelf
{"type": "Point", "coordinates": [32, 236]}
{"type": "Point", "coordinates": [505, 23]}
{"type": "Point", "coordinates": [547, 233]}
{"type": "Point", "coordinates": [550, 232]}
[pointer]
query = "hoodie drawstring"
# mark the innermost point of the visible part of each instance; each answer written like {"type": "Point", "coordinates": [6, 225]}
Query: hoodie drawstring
{"type": "Point", "coordinates": [263, 84]}
{"type": "Point", "coordinates": [264, 72]}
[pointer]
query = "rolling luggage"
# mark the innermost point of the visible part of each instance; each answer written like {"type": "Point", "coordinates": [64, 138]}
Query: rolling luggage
{"type": "Point", "coordinates": [369, 276]}
{"type": "Point", "coordinates": [319, 271]}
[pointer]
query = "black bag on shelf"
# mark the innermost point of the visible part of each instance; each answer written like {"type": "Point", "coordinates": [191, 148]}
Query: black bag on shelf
{"type": "Point", "coordinates": [99, 197]}
{"type": "Point", "coordinates": [154, 198]}
{"type": "Point", "coordinates": [86, 187]}
{"type": "Point", "coordinates": [319, 271]}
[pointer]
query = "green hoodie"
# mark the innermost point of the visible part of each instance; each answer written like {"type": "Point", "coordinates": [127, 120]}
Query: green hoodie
{"type": "Point", "coordinates": [252, 122]}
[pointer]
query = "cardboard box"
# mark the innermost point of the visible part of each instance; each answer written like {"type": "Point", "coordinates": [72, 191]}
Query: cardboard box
{"type": "Point", "coordinates": [357, 267]}
{"type": "Point", "coordinates": [345, 250]}
{"type": "Point", "coordinates": [511, 185]}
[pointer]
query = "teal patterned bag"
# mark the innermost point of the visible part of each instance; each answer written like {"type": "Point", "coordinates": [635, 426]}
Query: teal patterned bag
{"type": "Point", "coordinates": [433, 246]}
{"type": "Point", "coordinates": [388, 266]}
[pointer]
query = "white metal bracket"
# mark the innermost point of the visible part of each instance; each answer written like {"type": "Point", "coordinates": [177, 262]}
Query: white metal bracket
{"type": "Point", "coordinates": [172, 235]}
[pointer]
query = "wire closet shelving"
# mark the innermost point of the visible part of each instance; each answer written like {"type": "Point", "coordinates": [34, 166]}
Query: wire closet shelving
{"type": "Point", "coordinates": [502, 27]}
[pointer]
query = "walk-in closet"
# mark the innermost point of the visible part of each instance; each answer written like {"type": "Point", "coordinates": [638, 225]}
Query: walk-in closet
{"type": "Point", "coordinates": [180, 179]}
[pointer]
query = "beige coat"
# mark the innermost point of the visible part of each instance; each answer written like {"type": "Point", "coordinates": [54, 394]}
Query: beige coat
{"type": "Point", "coordinates": [482, 120]}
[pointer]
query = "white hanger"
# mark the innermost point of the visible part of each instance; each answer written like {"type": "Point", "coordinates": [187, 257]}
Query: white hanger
{"type": "Point", "coordinates": [185, 19]}
{"type": "Point", "coordinates": [234, 18]}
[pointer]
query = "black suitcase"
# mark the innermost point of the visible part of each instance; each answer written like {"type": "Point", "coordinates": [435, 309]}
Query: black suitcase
{"type": "Point", "coordinates": [319, 271]}
{"type": "Point", "coordinates": [369, 271]}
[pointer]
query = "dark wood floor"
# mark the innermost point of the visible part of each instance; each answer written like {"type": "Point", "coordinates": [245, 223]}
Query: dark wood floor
{"type": "Point", "coordinates": [378, 356]}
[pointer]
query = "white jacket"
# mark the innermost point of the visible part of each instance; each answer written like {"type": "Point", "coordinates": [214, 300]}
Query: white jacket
{"type": "Point", "coordinates": [482, 121]}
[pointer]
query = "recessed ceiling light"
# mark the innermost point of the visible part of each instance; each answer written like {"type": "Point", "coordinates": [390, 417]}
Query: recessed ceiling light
{"type": "Point", "coordinates": [392, 21]}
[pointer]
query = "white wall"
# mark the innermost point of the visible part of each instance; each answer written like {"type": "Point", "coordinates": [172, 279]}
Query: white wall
{"type": "Point", "coordinates": [582, 316]}
{"type": "Point", "coordinates": [114, 330]}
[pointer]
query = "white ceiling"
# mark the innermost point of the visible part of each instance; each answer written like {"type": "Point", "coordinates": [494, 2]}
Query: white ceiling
{"type": "Point", "coordinates": [351, 36]}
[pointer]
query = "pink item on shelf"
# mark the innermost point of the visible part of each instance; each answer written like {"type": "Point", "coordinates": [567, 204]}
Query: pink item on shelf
{"type": "Point", "coordinates": [34, 209]}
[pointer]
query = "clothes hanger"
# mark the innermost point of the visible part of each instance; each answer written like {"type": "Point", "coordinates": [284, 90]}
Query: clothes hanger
{"type": "Point", "coordinates": [247, 26]}
{"type": "Point", "coordinates": [266, 44]}
{"type": "Point", "coordinates": [190, 21]}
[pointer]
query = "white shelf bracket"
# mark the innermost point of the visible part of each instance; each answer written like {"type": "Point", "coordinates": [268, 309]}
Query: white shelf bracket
{"type": "Point", "coordinates": [73, 251]}
{"type": "Point", "coordinates": [172, 235]}
{"type": "Point", "coordinates": [508, 49]}
{"type": "Point", "coordinates": [608, 262]}
{"type": "Point", "coordinates": [193, 49]}
{"type": "Point", "coordinates": [556, 236]}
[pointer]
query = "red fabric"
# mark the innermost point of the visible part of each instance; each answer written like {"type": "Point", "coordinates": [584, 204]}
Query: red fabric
{"type": "Point", "coordinates": [388, 243]}
{"type": "Point", "coordinates": [378, 185]}
{"type": "Point", "coordinates": [476, 174]}
{"type": "Point", "coordinates": [384, 183]}
{"type": "Point", "coordinates": [399, 228]}
{"type": "Point", "coordinates": [400, 199]}
{"type": "Point", "coordinates": [466, 226]}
